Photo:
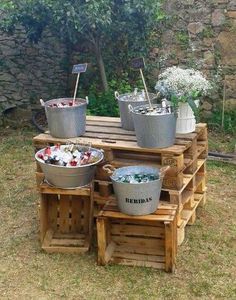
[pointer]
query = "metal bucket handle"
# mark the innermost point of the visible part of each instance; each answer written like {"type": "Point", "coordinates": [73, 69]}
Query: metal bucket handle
{"type": "Point", "coordinates": [163, 171]}
{"type": "Point", "coordinates": [131, 109]}
{"type": "Point", "coordinates": [109, 169]}
{"type": "Point", "coordinates": [117, 95]}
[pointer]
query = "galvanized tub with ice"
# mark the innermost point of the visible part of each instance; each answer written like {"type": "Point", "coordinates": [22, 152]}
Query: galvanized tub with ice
{"type": "Point", "coordinates": [137, 198]}
{"type": "Point", "coordinates": [69, 177]}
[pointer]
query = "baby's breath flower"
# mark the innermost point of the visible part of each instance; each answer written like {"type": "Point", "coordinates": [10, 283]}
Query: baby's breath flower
{"type": "Point", "coordinates": [182, 83]}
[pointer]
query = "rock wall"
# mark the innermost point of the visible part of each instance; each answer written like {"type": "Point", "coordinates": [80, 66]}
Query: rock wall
{"type": "Point", "coordinates": [202, 34]}
{"type": "Point", "coordinates": [29, 71]}
{"type": "Point", "coordinates": [197, 33]}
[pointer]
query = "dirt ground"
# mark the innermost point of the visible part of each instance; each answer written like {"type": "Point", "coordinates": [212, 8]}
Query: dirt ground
{"type": "Point", "coordinates": [206, 264]}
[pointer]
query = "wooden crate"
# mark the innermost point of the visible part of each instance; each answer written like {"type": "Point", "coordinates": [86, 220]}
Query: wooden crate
{"type": "Point", "coordinates": [121, 149]}
{"type": "Point", "coordinates": [148, 241]}
{"type": "Point", "coordinates": [66, 219]}
{"type": "Point", "coordinates": [185, 199]}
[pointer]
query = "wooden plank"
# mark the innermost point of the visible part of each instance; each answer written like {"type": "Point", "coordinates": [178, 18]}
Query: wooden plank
{"type": "Point", "coordinates": [47, 189]}
{"type": "Point", "coordinates": [130, 262]}
{"type": "Point", "coordinates": [151, 243]}
{"type": "Point", "coordinates": [101, 240]}
{"type": "Point", "coordinates": [53, 211]}
{"type": "Point", "coordinates": [139, 257]}
{"type": "Point", "coordinates": [169, 263]}
{"type": "Point", "coordinates": [69, 235]}
{"type": "Point", "coordinates": [137, 230]}
{"type": "Point", "coordinates": [67, 242]}
{"type": "Point", "coordinates": [76, 210]}
{"type": "Point", "coordinates": [64, 249]}
{"type": "Point", "coordinates": [98, 143]}
{"type": "Point", "coordinates": [43, 217]}
{"type": "Point", "coordinates": [64, 211]}
{"type": "Point", "coordinates": [140, 250]}
{"type": "Point", "coordinates": [86, 210]}
{"type": "Point", "coordinates": [119, 215]}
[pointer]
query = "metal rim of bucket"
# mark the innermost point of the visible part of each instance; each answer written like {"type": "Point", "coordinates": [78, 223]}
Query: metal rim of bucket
{"type": "Point", "coordinates": [110, 169]}
{"type": "Point", "coordinates": [119, 97]}
{"type": "Point", "coordinates": [71, 167]}
{"type": "Point", "coordinates": [134, 110]}
{"type": "Point", "coordinates": [130, 168]}
{"type": "Point", "coordinates": [79, 101]}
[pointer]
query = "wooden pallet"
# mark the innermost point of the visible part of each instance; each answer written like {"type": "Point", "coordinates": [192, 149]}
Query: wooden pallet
{"type": "Point", "coordinates": [66, 219]}
{"type": "Point", "coordinates": [148, 241]}
{"type": "Point", "coordinates": [121, 149]}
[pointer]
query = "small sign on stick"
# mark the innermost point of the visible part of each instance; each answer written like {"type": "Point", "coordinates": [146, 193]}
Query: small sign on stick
{"type": "Point", "coordinates": [138, 63]}
{"type": "Point", "coordinates": [80, 68]}
{"type": "Point", "coordinates": [77, 69]}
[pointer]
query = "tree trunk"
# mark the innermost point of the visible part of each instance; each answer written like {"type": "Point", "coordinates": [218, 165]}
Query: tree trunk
{"type": "Point", "coordinates": [101, 67]}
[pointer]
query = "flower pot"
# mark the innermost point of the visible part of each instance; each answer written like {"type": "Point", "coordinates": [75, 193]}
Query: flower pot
{"type": "Point", "coordinates": [135, 99]}
{"type": "Point", "coordinates": [186, 121]}
{"type": "Point", "coordinates": [68, 121]}
{"type": "Point", "coordinates": [154, 131]}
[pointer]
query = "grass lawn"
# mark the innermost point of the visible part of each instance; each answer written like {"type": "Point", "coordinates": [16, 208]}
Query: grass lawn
{"type": "Point", "coordinates": [206, 263]}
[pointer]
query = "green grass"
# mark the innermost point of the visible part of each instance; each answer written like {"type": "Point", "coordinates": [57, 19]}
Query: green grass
{"type": "Point", "coordinates": [206, 263]}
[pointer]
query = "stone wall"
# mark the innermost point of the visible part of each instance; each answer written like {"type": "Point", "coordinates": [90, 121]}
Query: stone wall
{"type": "Point", "coordinates": [197, 33]}
{"type": "Point", "coordinates": [29, 71]}
{"type": "Point", "coordinates": [202, 34]}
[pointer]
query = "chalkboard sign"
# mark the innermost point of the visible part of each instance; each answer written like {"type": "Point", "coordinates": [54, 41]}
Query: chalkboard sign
{"type": "Point", "coordinates": [80, 68]}
{"type": "Point", "coordinates": [138, 63]}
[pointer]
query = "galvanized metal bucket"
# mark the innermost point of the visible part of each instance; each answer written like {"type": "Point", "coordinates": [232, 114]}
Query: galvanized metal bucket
{"type": "Point", "coordinates": [124, 101]}
{"type": "Point", "coordinates": [66, 122]}
{"type": "Point", "coordinates": [137, 198]}
{"type": "Point", "coordinates": [154, 131]}
{"type": "Point", "coordinates": [69, 177]}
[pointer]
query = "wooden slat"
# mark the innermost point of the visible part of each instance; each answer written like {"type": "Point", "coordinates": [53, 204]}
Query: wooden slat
{"type": "Point", "coordinates": [136, 230]}
{"type": "Point", "coordinates": [144, 218]}
{"type": "Point", "coordinates": [47, 189]}
{"type": "Point", "coordinates": [86, 210]}
{"type": "Point", "coordinates": [69, 235]}
{"type": "Point", "coordinates": [139, 257]}
{"type": "Point", "coordinates": [65, 249]}
{"type": "Point", "coordinates": [52, 211]}
{"type": "Point", "coordinates": [130, 262]}
{"type": "Point", "coordinates": [102, 242]}
{"type": "Point", "coordinates": [67, 242]}
{"type": "Point", "coordinates": [76, 209]}
{"type": "Point", "coordinates": [64, 211]}
{"type": "Point", "coordinates": [169, 263]}
{"type": "Point", "coordinates": [43, 217]}
{"type": "Point", "coordinates": [150, 243]}
{"type": "Point", "coordinates": [123, 145]}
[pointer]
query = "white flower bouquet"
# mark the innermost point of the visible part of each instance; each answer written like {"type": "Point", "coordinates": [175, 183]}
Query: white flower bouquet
{"type": "Point", "coordinates": [182, 85]}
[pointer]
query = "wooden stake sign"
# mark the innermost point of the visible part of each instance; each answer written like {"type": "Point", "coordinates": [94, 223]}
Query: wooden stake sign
{"type": "Point", "coordinates": [139, 63]}
{"type": "Point", "coordinates": [77, 69]}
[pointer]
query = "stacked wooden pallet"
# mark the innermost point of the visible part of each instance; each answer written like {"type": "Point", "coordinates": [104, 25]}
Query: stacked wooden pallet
{"type": "Point", "coordinates": [184, 183]}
